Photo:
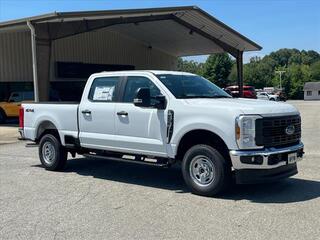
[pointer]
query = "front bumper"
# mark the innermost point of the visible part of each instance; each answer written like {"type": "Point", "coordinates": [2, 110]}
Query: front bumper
{"type": "Point", "coordinates": [264, 165]}
{"type": "Point", "coordinates": [246, 176]}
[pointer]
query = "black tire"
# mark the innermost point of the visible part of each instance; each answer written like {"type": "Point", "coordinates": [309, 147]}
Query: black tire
{"type": "Point", "coordinates": [3, 116]}
{"type": "Point", "coordinates": [58, 158]}
{"type": "Point", "coordinates": [272, 99]}
{"type": "Point", "coordinates": [222, 173]}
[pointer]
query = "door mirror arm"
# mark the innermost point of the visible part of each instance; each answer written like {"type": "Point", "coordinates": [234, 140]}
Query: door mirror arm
{"type": "Point", "coordinates": [161, 102]}
{"type": "Point", "coordinates": [143, 99]}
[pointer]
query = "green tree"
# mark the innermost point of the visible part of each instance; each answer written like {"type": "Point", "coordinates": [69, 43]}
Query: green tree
{"type": "Point", "coordinates": [217, 69]}
{"type": "Point", "coordinates": [190, 66]}
{"type": "Point", "coordinates": [233, 76]}
{"type": "Point", "coordinates": [309, 57]}
{"type": "Point", "coordinates": [300, 66]}
{"type": "Point", "coordinates": [298, 75]}
{"type": "Point", "coordinates": [283, 55]}
{"type": "Point", "coordinates": [259, 72]}
{"type": "Point", "coordinates": [315, 71]}
{"type": "Point", "coordinates": [295, 58]}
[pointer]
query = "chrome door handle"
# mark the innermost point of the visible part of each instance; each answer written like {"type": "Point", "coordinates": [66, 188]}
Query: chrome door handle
{"type": "Point", "coordinates": [122, 113]}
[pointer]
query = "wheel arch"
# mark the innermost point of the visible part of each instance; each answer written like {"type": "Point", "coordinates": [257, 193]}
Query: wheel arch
{"type": "Point", "coordinates": [3, 111]}
{"type": "Point", "coordinates": [202, 136]}
{"type": "Point", "coordinates": [46, 127]}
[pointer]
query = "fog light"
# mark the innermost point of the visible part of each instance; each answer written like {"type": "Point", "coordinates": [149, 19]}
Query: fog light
{"type": "Point", "coordinates": [274, 159]}
{"type": "Point", "coordinates": [258, 160]}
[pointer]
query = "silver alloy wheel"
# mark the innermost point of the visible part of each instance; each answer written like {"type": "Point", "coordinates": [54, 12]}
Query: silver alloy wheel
{"type": "Point", "coordinates": [48, 153]}
{"type": "Point", "coordinates": [202, 170]}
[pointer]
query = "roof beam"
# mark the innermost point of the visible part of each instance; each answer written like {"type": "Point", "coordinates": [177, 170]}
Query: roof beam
{"type": "Point", "coordinates": [63, 30]}
{"type": "Point", "coordinates": [91, 25]}
{"type": "Point", "coordinates": [226, 47]}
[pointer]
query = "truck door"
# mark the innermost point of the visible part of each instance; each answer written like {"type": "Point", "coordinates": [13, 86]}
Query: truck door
{"type": "Point", "coordinates": [97, 114]}
{"type": "Point", "coordinates": [140, 130]}
{"type": "Point", "coordinates": [12, 108]}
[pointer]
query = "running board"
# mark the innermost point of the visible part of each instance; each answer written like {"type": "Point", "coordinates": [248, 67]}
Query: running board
{"type": "Point", "coordinates": [167, 164]}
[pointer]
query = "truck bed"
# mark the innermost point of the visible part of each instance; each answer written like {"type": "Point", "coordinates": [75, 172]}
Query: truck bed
{"type": "Point", "coordinates": [59, 115]}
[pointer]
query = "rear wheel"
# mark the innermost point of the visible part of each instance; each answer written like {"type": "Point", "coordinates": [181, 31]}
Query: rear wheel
{"type": "Point", "coordinates": [3, 116]}
{"type": "Point", "coordinates": [52, 154]}
{"type": "Point", "coordinates": [205, 170]}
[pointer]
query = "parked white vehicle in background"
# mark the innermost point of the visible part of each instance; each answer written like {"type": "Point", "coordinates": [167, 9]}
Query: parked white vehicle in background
{"type": "Point", "coordinates": [267, 96]}
{"type": "Point", "coordinates": [161, 117]}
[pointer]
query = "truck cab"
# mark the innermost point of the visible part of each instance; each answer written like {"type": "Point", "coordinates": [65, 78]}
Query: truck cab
{"type": "Point", "coordinates": [163, 117]}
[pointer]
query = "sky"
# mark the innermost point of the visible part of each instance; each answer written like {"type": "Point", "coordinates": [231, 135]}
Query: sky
{"type": "Point", "coordinates": [273, 24]}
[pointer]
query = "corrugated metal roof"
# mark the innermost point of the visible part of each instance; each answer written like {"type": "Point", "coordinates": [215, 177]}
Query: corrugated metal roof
{"type": "Point", "coordinates": [170, 37]}
{"type": "Point", "coordinates": [209, 35]}
{"type": "Point", "coordinates": [309, 86]}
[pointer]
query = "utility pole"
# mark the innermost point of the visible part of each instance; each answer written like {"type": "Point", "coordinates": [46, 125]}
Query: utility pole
{"type": "Point", "coordinates": [280, 74]}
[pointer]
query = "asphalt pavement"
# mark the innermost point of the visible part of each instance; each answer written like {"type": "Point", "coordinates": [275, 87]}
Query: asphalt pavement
{"type": "Point", "coordinates": [101, 199]}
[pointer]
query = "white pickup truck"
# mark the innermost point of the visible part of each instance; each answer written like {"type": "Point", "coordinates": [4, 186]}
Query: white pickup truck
{"type": "Point", "coordinates": [163, 117]}
{"type": "Point", "coordinates": [267, 96]}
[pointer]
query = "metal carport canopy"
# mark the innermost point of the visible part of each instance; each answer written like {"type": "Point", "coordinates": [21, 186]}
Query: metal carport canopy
{"type": "Point", "coordinates": [179, 31]}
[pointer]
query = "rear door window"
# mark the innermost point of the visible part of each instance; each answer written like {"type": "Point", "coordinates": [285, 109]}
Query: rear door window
{"type": "Point", "coordinates": [103, 89]}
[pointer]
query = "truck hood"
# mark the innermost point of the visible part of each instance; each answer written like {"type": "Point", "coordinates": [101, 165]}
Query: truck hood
{"type": "Point", "coordinates": [244, 105]}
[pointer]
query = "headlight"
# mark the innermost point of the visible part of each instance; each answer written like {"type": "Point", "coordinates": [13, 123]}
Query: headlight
{"type": "Point", "coordinates": [246, 131]}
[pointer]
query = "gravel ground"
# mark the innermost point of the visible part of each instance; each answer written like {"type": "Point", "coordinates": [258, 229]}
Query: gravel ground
{"type": "Point", "coordinates": [8, 133]}
{"type": "Point", "coordinates": [99, 199]}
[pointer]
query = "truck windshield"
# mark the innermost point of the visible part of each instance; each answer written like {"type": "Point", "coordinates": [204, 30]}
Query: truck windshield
{"type": "Point", "coordinates": [191, 86]}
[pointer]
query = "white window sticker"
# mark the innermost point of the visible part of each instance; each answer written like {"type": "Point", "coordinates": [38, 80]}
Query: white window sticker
{"type": "Point", "coordinates": [103, 93]}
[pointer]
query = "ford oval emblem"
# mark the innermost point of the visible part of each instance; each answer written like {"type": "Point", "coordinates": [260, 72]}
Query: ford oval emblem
{"type": "Point", "coordinates": [290, 130]}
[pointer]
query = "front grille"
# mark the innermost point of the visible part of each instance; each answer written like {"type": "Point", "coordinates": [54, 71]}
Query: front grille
{"type": "Point", "coordinates": [271, 131]}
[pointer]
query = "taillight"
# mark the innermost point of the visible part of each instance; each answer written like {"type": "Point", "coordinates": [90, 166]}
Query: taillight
{"type": "Point", "coordinates": [21, 117]}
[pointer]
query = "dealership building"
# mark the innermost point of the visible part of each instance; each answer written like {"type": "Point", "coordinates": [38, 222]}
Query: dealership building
{"type": "Point", "coordinates": [53, 54]}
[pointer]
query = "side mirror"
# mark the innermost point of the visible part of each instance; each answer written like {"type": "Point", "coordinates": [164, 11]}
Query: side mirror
{"type": "Point", "coordinates": [142, 98]}
{"type": "Point", "coordinates": [161, 102]}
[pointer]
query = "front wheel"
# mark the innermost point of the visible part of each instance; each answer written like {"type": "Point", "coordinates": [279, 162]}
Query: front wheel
{"type": "Point", "coordinates": [52, 154]}
{"type": "Point", "coordinates": [205, 171]}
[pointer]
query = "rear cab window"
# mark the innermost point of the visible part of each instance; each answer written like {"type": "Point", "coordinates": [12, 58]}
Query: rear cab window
{"type": "Point", "coordinates": [103, 89]}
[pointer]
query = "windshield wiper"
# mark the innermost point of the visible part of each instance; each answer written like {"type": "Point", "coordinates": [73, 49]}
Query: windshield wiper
{"type": "Point", "coordinates": [221, 96]}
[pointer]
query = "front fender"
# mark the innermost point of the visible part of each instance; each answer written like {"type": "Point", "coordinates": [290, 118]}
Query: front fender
{"type": "Point", "coordinates": [225, 130]}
